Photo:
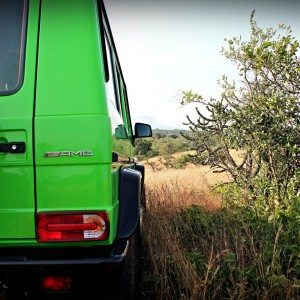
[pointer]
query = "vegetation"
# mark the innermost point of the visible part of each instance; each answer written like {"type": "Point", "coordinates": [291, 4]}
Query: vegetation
{"type": "Point", "coordinates": [201, 249]}
{"type": "Point", "coordinates": [259, 116]}
{"type": "Point", "coordinates": [163, 143]}
{"type": "Point", "coordinates": [241, 241]}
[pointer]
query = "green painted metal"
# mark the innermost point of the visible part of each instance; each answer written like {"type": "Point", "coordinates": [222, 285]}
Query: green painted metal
{"type": "Point", "coordinates": [70, 71]}
{"type": "Point", "coordinates": [70, 114]}
{"type": "Point", "coordinates": [17, 210]}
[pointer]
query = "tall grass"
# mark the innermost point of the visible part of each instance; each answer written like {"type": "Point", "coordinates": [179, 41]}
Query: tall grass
{"type": "Point", "coordinates": [199, 248]}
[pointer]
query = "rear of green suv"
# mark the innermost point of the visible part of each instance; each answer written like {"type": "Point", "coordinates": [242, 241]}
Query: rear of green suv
{"type": "Point", "coordinates": [70, 189]}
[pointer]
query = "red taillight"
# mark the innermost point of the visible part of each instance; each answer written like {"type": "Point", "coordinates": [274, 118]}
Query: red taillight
{"type": "Point", "coordinates": [72, 227]}
{"type": "Point", "coordinates": [56, 283]}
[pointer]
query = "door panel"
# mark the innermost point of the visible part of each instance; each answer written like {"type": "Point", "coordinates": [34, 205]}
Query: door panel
{"type": "Point", "coordinates": [17, 199]}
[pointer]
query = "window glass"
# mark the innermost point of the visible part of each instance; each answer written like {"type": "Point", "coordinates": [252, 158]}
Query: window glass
{"type": "Point", "coordinates": [122, 98]}
{"type": "Point", "coordinates": [12, 32]}
{"type": "Point", "coordinates": [126, 112]}
{"type": "Point", "coordinates": [112, 85]}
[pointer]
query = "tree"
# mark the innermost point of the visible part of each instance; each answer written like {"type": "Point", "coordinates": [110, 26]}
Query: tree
{"type": "Point", "coordinates": [143, 146]}
{"type": "Point", "coordinates": [258, 115]}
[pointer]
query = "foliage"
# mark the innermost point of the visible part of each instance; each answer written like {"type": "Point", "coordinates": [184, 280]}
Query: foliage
{"type": "Point", "coordinates": [258, 253]}
{"type": "Point", "coordinates": [237, 252]}
{"type": "Point", "coordinates": [143, 147]}
{"type": "Point", "coordinates": [258, 116]}
{"type": "Point", "coordinates": [163, 143]}
{"type": "Point", "coordinates": [245, 249]}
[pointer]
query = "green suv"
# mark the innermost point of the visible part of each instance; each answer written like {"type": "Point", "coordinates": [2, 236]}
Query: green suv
{"type": "Point", "coordinates": [71, 193]}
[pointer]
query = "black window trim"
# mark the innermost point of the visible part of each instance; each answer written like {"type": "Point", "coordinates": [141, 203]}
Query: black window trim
{"type": "Point", "coordinates": [22, 53]}
{"type": "Point", "coordinates": [100, 7]}
{"type": "Point", "coordinates": [126, 103]}
{"type": "Point", "coordinates": [113, 73]}
{"type": "Point", "coordinates": [119, 80]}
{"type": "Point", "coordinates": [106, 27]}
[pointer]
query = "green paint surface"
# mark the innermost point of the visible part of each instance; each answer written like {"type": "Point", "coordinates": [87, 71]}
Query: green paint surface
{"type": "Point", "coordinates": [61, 107]}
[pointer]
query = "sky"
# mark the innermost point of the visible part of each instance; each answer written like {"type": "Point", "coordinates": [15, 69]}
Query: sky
{"type": "Point", "coordinates": [169, 46]}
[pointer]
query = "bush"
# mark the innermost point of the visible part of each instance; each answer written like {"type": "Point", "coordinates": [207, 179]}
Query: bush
{"type": "Point", "coordinates": [161, 145]}
{"type": "Point", "coordinates": [238, 251]}
{"type": "Point", "coordinates": [258, 115]}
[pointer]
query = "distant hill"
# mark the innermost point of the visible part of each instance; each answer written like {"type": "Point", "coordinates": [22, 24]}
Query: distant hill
{"type": "Point", "coordinates": [168, 132]}
{"type": "Point", "coordinates": [154, 123]}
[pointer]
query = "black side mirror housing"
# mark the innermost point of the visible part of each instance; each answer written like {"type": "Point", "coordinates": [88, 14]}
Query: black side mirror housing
{"type": "Point", "coordinates": [142, 130]}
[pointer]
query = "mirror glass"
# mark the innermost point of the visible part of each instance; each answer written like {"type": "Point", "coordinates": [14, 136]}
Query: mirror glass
{"type": "Point", "coordinates": [142, 130]}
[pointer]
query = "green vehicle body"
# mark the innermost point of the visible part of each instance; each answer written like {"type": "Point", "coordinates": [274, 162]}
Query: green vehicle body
{"type": "Point", "coordinates": [77, 140]}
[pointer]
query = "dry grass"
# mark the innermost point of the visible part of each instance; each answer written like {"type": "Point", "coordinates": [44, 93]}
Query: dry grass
{"type": "Point", "coordinates": [197, 249]}
{"type": "Point", "coordinates": [200, 177]}
{"type": "Point", "coordinates": [161, 163]}
{"type": "Point", "coordinates": [184, 187]}
{"type": "Point", "coordinates": [168, 192]}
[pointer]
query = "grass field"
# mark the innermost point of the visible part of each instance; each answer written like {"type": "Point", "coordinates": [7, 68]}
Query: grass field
{"type": "Point", "coordinates": [169, 192]}
{"type": "Point", "coordinates": [185, 186]}
{"type": "Point", "coordinates": [198, 248]}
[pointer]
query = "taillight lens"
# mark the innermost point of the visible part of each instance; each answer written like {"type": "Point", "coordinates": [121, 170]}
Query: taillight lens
{"type": "Point", "coordinates": [56, 283]}
{"type": "Point", "coordinates": [72, 227]}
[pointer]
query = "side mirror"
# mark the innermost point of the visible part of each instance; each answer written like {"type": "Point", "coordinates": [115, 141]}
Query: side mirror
{"type": "Point", "coordinates": [142, 130]}
{"type": "Point", "coordinates": [120, 132]}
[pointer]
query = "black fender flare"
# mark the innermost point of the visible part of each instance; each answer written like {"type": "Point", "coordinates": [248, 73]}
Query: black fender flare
{"type": "Point", "coordinates": [141, 169]}
{"type": "Point", "coordinates": [129, 202]}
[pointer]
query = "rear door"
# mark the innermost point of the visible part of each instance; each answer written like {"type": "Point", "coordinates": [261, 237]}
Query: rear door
{"type": "Point", "coordinates": [19, 21]}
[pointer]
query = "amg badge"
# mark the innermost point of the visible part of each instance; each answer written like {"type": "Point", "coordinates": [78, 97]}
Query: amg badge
{"type": "Point", "coordinates": [69, 153]}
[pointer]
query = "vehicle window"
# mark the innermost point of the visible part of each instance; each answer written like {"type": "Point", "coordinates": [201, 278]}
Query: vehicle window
{"type": "Point", "coordinates": [126, 112]}
{"type": "Point", "coordinates": [123, 99]}
{"type": "Point", "coordinates": [112, 84]}
{"type": "Point", "coordinates": [12, 33]}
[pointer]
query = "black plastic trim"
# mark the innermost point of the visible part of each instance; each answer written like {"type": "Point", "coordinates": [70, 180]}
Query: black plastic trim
{"type": "Point", "coordinates": [141, 169]}
{"type": "Point", "coordinates": [115, 157]}
{"type": "Point", "coordinates": [109, 32]}
{"type": "Point", "coordinates": [129, 207]}
{"type": "Point", "coordinates": [119, 252]}
{"type": "Point", "coordinates": [13, 147]}
{"type": "Point", "coordinates": [129, 115]}
{"type": "Point", "coordinates": [135, 136]}
{"type": "Point", "coordinates": [101, 8]}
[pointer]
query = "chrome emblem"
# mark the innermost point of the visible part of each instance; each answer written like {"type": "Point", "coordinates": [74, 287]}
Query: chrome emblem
{"type": "Point", "coordinates": [68, 153]}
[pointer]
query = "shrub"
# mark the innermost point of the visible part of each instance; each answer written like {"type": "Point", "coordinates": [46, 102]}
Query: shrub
{"type": "Point", "coordinates": [237, 251]}
{"type": "Point", "coordinates": [258, 116]}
